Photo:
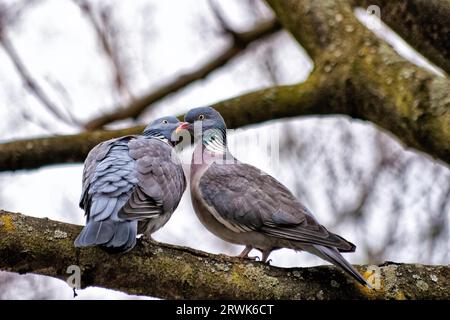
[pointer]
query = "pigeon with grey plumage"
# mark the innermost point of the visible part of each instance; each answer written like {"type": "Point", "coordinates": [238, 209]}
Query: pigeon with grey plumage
{"type": "Point", "coordinates": [243, 205]}
{"type": "Point", "coordinates": [131, 185]}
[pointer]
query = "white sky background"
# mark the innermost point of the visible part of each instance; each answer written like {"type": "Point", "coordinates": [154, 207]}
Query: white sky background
{"type": "Point", "coordinates": [160, 40]}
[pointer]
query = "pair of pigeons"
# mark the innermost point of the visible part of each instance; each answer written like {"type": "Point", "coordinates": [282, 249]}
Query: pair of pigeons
{"type": "Point", "coordinates": [132, 185]}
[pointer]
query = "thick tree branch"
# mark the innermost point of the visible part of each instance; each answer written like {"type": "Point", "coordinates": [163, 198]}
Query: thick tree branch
{"type": "Point", "coordinates": [139, 105]}
{"type": "Point", "coordinates": [319, 26]}
{"type": "Point", "coordinates": [42, 246]}
{"type": "Point", "coordinates": [425, 24]}
{"type": "Point", "coordinates": [322, 94]}
{"type": "Point", "coordinates": [372, 81]}
{"type": "Point", "coordinates": [34, 153]}
{"type": "Point", "coordinates": [306, 98]}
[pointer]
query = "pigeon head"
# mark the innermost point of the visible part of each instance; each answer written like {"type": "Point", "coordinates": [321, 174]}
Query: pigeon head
{"type": "Point", "coordinates": [163, 128]}
{"type": "Point", "coordinates": [201, 121]}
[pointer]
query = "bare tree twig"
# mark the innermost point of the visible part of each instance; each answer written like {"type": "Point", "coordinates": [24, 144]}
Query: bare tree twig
{"type": "Point", "coordinates": [102, 30]}
{"type": "Point", "coordinates": [31, 84]}
{"type": "Point", "coordinates": [139, 105]}
{"type": "Point", "coordinates": [225, 28]}
{"type": "Point", "coordinates": [10, 14]}
{"type": "Point", "coordinates": [66, 101]}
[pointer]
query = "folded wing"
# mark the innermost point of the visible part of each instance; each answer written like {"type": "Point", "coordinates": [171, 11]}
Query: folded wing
{"type": "Point", "coordinates": [160, 182]}
{"type": "Point", "coordinates": [244, 198]}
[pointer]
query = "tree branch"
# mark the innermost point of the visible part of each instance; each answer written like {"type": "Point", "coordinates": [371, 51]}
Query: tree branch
{"type": "Point", "coordinates": [45, 247]}
{"type": "Point", "coordinates": [424, 24]}
{"type": "Point", "coordinates": [136, 107]}
{"type": "Point", "coordinates": [318, 26]}
{"type": "Point", "coordinates": [372, 82]}
{"type": "Point", "coordinates": [34, 153]}
{"type": "Point", "coordinates": [322, 94]}
{"type": "Point", "coordinates": [272, 103]}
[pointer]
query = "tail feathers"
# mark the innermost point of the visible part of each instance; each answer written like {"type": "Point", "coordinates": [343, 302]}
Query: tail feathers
{"type": "Point", "coordinates": [113, 236]}
{"type": "Point", "coordinates": [349, 247]}
{"type": "Point", "coordinates": [333, 256]}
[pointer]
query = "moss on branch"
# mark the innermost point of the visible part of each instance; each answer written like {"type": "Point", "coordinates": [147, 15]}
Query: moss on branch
{"type": "Point", "coordinates": [372, 82]}
{"type": "Point", "coordinates": [34, 153]}
{"type": "Point", "coordinates": [45, 247]}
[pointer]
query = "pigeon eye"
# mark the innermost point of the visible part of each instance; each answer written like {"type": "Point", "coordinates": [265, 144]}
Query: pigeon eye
{"type": "Point", "coordinates": [201, 117]}
{"type": "Point", "coordinates": [164, 122]}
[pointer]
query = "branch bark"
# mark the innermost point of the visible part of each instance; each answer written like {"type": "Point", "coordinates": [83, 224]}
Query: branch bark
{"type": "Point", "coordinates": [372, 82]}
{"type": "Point", "coordinates": [240, 42]}
{"type": "Point", "coordinates": [424, 24]}
{"type": "Point", "coordinates": [319, 95]}
{"type": "Point", "coordinates": [45, 247]}
{"type": "Point", "coordinates": [34, 153]}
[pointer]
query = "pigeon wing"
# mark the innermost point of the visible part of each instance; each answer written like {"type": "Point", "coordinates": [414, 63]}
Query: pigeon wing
{"type": "Point", "coordinates": [108, 180]}
{"type": "Point", "coordinates": [243, 198]}
{"type": "Point", "coordinates": [91, 171]}
{"type": "Point", "coordinates": [160, 180]}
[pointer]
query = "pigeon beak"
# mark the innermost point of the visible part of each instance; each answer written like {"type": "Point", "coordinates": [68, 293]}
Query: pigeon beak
{"type": "Point", "coordinates": [182, 126]}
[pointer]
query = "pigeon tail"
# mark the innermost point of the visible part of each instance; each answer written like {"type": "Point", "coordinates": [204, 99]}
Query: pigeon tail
{"type": "Point", "coordinates": [333, 256]}
{"type": "Point", "coordinates": [347, 247]}
{"type": "Point", "coordinates": [112, 236]}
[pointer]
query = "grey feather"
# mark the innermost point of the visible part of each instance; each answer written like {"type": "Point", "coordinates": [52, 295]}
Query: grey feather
{"type": "Point", "coordinates": [333, 256]}
{"type": "Point", "coordinates": [126, 180]}
{"type": "Point", "coordinates": [161, 181]}
{"type": "Point", "coordinates": [240, 194]}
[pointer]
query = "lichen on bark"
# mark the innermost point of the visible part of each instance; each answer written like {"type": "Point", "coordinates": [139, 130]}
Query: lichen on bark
{"type": "Point", "coordinates": [43, 246]}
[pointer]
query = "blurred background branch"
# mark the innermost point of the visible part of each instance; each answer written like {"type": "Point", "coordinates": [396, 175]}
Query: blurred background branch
{"type": "Point", "coordinates": [9, 14]}
{"type": "Point", "coordinates": [32, 85]}
{"type": "Point", "coordinates": [102, 25]}
{"type": "Point", "coordinates": [240, 41]}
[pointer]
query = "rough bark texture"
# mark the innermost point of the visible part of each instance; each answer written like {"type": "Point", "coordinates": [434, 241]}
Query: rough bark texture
{"type": "Point", "coordinates": [424, 24]}
{"type": "Point", "coordinates": [43, 246]}
{"type": "Point", "coordinates": [371, 81]}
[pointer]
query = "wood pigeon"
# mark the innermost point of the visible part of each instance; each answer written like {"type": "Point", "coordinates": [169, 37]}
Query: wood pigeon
{"type": "Point", "coordinates": [243, 205]}
{"type": "Point", "coordinates": [131, 185]}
